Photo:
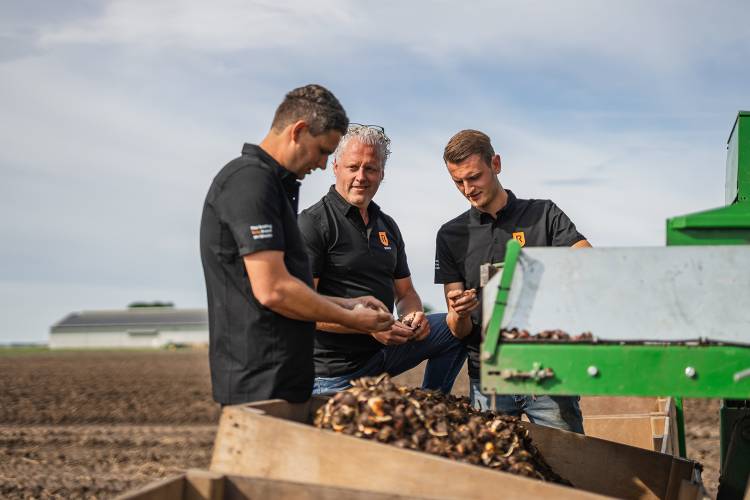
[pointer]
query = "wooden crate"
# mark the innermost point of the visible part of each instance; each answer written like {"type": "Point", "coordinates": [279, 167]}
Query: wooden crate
{"type": "Point", "coordinates": [206, 485]}
{"type": "Point", "coordinates": [274, 440]}
{"type": "Point", "coordinates": [648, 423]}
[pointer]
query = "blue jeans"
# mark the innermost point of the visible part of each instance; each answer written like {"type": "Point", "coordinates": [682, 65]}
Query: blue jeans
{"type": "Point", "coordinates": [444, 352]}
{"type": "Point", "coordinates": [561, 412]}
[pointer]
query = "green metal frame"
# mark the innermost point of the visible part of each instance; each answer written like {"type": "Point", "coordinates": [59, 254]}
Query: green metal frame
{"type": "Point", "coordinates": [489, 346]}
{"type": "Point", "coordinates": [728, 225]}
{"type": "Point", "coordinates": [624, 370]}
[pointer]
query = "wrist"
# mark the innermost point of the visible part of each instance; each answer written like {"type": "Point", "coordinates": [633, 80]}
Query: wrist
{"type": "Point", "coordinates": [460, 326]}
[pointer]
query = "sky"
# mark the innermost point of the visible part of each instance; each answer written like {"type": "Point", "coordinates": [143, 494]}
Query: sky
{"type": "Point", "coordinates": [116, 115]}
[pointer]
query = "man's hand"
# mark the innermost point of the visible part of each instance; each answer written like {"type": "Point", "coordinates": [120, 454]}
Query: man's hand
{"type": "Point", "coordinates": [397, 334]}
{"type": "Point", "coordinates": [418, 324]}
{"type": "Point", "coordinates": [369, 320]}
{"type": "Point", "coordinates": [367, 301]}
{"type": "Point", "coordinates": [462, 302]}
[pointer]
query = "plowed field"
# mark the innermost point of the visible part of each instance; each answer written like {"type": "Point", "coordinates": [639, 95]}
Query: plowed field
{"type": "Point", "coordinates": [95, 424]}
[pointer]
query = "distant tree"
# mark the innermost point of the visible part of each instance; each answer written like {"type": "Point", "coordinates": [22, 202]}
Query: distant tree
{"type": "Point", "coordinates": [427, 308]}
{"type": "Point", "coordinates": [133, 305]}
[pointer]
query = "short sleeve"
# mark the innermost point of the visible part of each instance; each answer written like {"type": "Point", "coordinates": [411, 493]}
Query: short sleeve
{"type": "Point", "coordinates": [446, 269]}
{"type": "Point", "coordinates": [249, 203]}
{"type": "Point", "coordinates": [402, 267]}
{"type": "Point", "coordinates": [313, 235]}
{"type": "Point", "coordinates": [561, 230]}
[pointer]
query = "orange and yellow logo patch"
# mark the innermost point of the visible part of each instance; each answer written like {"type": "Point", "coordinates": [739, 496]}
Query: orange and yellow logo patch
{"type": "Point", "coordinates": [520, 237]}
{"type": "Point", "coordinates": [383, 238]}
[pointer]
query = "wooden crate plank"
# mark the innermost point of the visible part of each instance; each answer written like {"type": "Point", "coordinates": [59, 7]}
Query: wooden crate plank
{"type": "Point", "coordinates": [171, 488]}
{"type": "Point", "coordinates": [251, 443]}
{"type": "Point", "coordinates": [242, 488]}
{"type": "Point", "coordinates": [606, 418]}
{"type": "Point", "coordinates": [611, 405]}
{"type": "Point", "coordinates": [610, 468]}
{"type": "Point", "coordinates": [203, 485]}
{"type": "Point", "coordinates": [629, 430]}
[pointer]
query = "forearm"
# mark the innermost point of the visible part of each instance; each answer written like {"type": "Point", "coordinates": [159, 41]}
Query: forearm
{"type": "Point", "coordinates": [292, 298]}
{"type": "Point", "coordinates": [409, 303]}
{"type": "Point", "coordinates": [341, 301]}
{"type": "Point", "coordinates": [460, 327]}
{"type": "Point", "coordinates": [337, 328]}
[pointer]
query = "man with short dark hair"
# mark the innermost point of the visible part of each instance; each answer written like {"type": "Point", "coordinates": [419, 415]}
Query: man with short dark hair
{"type": "Point", "coordinates": [356, 249]}
{"type": "Point", "coordinates": [261, 305]}
{"type": "Point", "coordinates": [478, 236]}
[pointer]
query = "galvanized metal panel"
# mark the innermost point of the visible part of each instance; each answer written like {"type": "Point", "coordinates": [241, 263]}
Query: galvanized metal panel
{"type": "Point", "coordinates": [632, 294]}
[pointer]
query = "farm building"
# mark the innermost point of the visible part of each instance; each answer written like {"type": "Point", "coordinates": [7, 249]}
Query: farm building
{"type": "Point", "coordinates": [134, 327]}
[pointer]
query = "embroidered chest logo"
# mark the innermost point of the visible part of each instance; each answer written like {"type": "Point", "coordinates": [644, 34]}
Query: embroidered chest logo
{"type": "Point", "coordinates": [520, 237]}
{"type": "Point", "coordinates": [262, 231]}
{"type": "Point", "coordinates": [383, 238]}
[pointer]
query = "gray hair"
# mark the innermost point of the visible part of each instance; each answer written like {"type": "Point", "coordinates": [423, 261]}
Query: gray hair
{"type": "Point", "coordinates": [369, 135]}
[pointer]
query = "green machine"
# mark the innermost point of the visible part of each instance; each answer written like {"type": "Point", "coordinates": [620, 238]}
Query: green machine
{"type": "Point", "coordinates": [664, 321]}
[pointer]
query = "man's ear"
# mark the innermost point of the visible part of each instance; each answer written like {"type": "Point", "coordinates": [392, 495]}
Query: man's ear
{"type": "Point", "coordinates": [297, 128]}
{"type": "Point", "coordinates": [496, 166]}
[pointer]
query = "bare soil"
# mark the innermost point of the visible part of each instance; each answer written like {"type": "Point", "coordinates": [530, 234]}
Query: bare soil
{"type": "Point", "coordinates": [97, 424]}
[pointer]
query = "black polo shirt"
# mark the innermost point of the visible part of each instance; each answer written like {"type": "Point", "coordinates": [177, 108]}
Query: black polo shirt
{"type": "Point", "coordinates": [254, 353]}
{"type": "Point", "coordinates": [475, 238]}
{"type": "Point", "coordinates": [351, 259]}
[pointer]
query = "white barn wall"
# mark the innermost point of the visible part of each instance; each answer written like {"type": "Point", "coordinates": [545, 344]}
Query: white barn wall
{"type": "Point", "coordinates": [109, 339]}
{"type": "Point", "coordinates": [140, 328]}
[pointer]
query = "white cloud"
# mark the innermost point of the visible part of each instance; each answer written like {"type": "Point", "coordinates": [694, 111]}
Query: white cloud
{"type": "Point", "coordinates": [194, 24]}
{"type": "Point", "coordinates": [634, 34]}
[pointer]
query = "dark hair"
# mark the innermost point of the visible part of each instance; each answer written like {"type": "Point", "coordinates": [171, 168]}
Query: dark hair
{"type": "Point", "coordinates": [314, 104]}
{"type": "Point", "coordinates": [466, 143]}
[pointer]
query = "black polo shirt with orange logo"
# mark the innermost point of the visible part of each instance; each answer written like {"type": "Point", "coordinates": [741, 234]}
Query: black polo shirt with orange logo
{"type": "Point", "coordinates": [475, 238]}
{"type": "Point", "coordinates": [351, 259]}
{"type": "Point", "coordinates": [254, 352]}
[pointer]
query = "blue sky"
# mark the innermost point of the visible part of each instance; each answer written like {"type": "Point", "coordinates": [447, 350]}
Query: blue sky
{"type": "Point", "coordinates": [116, 115]}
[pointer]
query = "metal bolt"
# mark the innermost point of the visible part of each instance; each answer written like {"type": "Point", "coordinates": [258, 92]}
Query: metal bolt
{"type": "Point", "coordinates": [592, 370]}
{"type": "Point", "coordinates": [741, 374]}
{"type": "Point", "coordinates": [690, 372]}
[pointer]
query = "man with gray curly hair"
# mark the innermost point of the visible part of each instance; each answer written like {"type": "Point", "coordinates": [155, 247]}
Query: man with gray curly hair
{"type": "Point", "coordinates": [357, 250]}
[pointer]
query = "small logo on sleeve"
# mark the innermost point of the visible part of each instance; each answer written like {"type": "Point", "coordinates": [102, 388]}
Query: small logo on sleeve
{"type": "Point", "coordinates": [437, 265]}
{"type": "Point", "coordinates": [262, 231]}
{"type": "Point", "coordinates": [383, 238]}
{"type": "Point", "coordinates": [520, 237]}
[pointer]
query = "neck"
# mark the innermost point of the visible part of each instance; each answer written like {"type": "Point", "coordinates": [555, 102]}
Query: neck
{"type": "Point", "coordinates": [364, 214]}
{"type": "Point", "coordinates": [497, 203]}
{"type": "Point", "coordinates": [362, 210]}
{"type": "Point", "coordinates": [274, 146]}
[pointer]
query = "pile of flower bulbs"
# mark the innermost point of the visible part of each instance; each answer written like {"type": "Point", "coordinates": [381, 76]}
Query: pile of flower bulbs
{"type": "Point", "coordinates": [430, 421]}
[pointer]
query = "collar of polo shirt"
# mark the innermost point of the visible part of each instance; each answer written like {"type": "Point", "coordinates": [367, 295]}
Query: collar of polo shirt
{"type": "Point", "coordinates": [373, 209]}
{"type": "Point", "coordinates": [478, 217]}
